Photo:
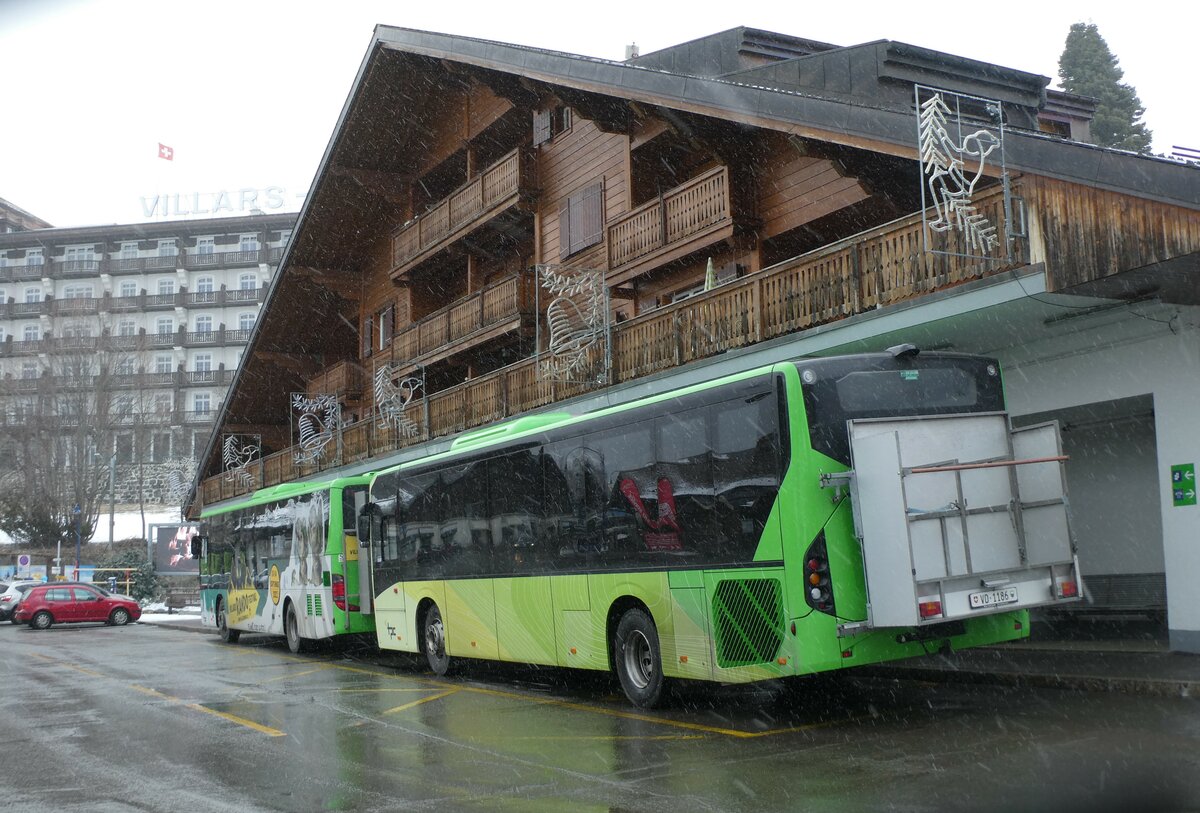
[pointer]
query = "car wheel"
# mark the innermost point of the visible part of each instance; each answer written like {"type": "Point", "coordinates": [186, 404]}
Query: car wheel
{"type": "Point", "coordinates": [433, 641]}
{"type": "Point", "coordinates": [41, 620]}
{"type": "Point", "coordinates": [291, 627]}
{"type": "Point", "coordinates": [638, 659]}
{"type": "Point", "coordinates": [119, 617]}
{"type": "Point", "coordinates": [227, 635]}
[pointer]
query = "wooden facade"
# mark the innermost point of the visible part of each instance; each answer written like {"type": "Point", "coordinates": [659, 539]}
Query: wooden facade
{"type": "Point", "coordinates": [429, 251]}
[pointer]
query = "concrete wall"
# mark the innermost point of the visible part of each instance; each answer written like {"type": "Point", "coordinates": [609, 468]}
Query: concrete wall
{"type": "Point", "coordinates": [1122, 360]}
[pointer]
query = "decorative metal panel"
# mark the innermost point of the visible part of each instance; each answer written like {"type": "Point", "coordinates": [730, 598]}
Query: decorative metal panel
{"type": "Point", "coordinates": [397, 399]}
{"type": "Point", "coordinates": [238, 452]}
{"type": "Point", "coordinates": [573, 333]}
{"type": "Point", "coordinates": [961, 140]}
{"type": "Point", "coordinates": [748, 621]}
{"type": "Point", "coordinates": [315, 421]}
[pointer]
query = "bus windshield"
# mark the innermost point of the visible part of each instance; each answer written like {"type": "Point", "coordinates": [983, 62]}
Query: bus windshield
{"type": "Point", "coordinates": [879, 386]}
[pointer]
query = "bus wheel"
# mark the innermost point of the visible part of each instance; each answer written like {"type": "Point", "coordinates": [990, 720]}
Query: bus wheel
{"type": "Point", "coordinates": [291, 626]}
{"type": "Point", "coordinates": [638, 659]}
{"type": "Point", "coordinates": [227, 635]}
{"type": "Point", "coordinates": [434, 641]}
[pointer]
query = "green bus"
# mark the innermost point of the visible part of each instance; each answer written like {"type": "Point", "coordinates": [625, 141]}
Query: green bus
{"type": "Point", "coordinates": [284, 561]}
{"type": "Point", "coordinates": [797, 517]}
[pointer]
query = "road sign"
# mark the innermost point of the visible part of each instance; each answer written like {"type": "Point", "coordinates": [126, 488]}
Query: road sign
{"type": "Point", "coordinates": [1183, 484]}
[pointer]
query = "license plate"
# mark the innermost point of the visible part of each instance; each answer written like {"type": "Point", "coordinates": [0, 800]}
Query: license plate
{"type": "Point", "coordinates": [992, 598]}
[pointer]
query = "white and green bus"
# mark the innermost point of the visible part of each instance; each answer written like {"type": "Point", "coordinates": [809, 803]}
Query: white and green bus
{"type": "Point", "coordinates": [284, 561]}
{"type": "Point", "coordinates": [794, 518]}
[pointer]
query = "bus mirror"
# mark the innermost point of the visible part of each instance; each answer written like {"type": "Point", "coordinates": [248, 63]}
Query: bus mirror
{"type": "Point", "coordinates": [364, 522]}
{"type": "Point", "coordinates": [198, 546]}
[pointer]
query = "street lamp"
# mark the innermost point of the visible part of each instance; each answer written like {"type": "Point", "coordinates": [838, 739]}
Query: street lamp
{"type": "Point", "coordinates": [112, 497]}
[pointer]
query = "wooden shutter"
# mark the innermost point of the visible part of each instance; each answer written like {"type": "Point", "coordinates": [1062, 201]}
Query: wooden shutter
{"type": "Point", "coordinates": [367, 337]}
{"type": "Point", "coordinates": [581, 220]}
{"type": "Point", "coordinates": [387, 326]}
{"type": "Point", "coordinates": [542, 120]}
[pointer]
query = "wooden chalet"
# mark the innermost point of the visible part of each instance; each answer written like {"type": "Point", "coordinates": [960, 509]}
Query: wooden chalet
{"type": "Point", "coordinates": [458, 166]}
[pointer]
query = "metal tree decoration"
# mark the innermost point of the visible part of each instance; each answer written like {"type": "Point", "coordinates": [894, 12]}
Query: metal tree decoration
{"type": "Point", "coordinates": [392, 399]}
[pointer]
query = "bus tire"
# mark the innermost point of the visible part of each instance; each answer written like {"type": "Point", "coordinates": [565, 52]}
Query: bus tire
{"type": "Point", "coordinates": [637, 657]}
{"type": "Point", "coordinates": [227, 635]}
{"type": "Point", "coordinates": [291, 628]}
{"type": "Point", "coordinates": [433, 641]}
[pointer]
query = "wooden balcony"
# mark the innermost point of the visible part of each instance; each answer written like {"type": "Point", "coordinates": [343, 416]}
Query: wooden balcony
{"type": "Point", "coordinates": [861, 273]}
{"type": "Point", "coordinates": [502, 187]}
{"type": "Point", "coordinates": [679, 222]}
{"type": "Point", "coordinates": [344, 379]}
{"type": "Point", "coordinates": [500, 308]}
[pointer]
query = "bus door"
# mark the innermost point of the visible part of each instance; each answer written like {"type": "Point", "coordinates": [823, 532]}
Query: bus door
{"type": "Point", "coordinates": [366, 556]}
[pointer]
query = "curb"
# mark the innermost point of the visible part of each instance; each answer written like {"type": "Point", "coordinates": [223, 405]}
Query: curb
{"type": "Point", "coordinates": [1153, 687]}
{"type": "Point", "coordinates": [181, 627]}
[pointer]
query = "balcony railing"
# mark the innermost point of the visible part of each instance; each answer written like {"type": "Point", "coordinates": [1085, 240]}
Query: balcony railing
{"type": "Point", "coordinates": [18, 273]}
{"type": "Point", "coordinates": [855, 275]}
{"type": "Point", "coordinates": [498, 186]}
{"type": "Point", "coordinates": [684, 213]}
{"type": "Point", "coordinates": [344, 378]}
{"type": "Point", "coordinates": [76, 306]}
{"type": "Point", "coordinates": [500, 302]}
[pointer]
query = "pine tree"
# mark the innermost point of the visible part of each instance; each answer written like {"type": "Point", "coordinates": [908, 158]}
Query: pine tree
{"type": "Point", "coordinates": [1087, 67]}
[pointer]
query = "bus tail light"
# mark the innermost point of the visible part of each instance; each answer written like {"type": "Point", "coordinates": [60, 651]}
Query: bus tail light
{"type": "Point", "coordinates": [1067, 589]}
{"type": "Point", "coordinates": [338, 583]}
{"type": "Point", "coordinates": [818, 589]}
{"type": "Point", "coordinates": [930, 609]}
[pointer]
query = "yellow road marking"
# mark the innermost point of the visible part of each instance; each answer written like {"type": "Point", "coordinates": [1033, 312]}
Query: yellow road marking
{"type": "Point", "coordinates": [431, 697]}
{"type": "Point", "coordinates": [233, 718]}
{"type": "Point", "coordinates": [296, 674]}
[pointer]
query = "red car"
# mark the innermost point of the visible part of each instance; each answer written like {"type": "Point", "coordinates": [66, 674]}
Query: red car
{"type": "Point", "coordinates": [69, 602]}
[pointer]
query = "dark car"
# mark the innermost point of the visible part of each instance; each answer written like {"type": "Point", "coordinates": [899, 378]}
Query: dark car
{"type": "Point", "coordinates": [12, 596]}
{"type": "Point", "coordinates": [71, 602]}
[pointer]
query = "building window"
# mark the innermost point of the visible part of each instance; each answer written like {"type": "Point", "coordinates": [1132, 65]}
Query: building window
{"type": "Point", "coordinates": [162, 447]}
{"type": "Point", "coordinates": [248, 242]}
{"type": "Point", "coordinates": [129, 251]}
{"type": "Point", "coordinates": [166, 286]}
{"type": "Point", "coordinates": [202, 362]}
{"type": "Point", "coordinates": [77, 329]}
{"type": "Point", "coordinates": [80, 258]}
{"type": "Point", "coordinates": [3, 293]}
{"type": "Point", "coordinates": [124, 448]}
{"type": "Point", "coordinates": [128, 289]}
{"type": "Point", "coordinates": [248, 282]}
{"type": "Point", "coordinates": [165, 324]}
{"type": "Point", "coordinates": [33, 295]}
{"type": "Point", "coordinates": [123, 406]}
{"type": "Point", "coordinates": [202, 403]}
{"type": "Point", "coordinates": [29, 369]}
{"type": "Point", "coordinates": [164, 402]}
{"type": "Point", "coordinates": [204, 324]}
{"type": "Point", "coordinates": [246, 321]}
{"type": "Point", "coordinates": [163, 364]}
{"type": "Point", "coordinates": [77, 292]}
{"type": "Point", "coordinates": [385, 326]}
{"type": "Point", "coordinates": [205, 245]}
{"type": "Point", "coordinates": [126, 366]}
{"type": "Point", "coordinates": [127, 327]}
{"type": "Point", "coordinates": [34, 256]}
{"type": "Point", "coordinates": [581, 220]}
{"type": "Point", "coordinates": [284, 236]}
{"type": "Point", "coordinates": [31, 333]}
{"type": "Point", "coordinates": [167, 248]}
{"type": "Point", "coordinates": [204, 285]}
{"type": "Point", "coordinates": [549, 122]}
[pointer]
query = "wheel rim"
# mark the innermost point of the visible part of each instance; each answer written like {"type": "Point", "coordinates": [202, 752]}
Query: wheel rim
{"type": "Point", "coordinates": [292, 626]}
{"type": "Point", "coordinates": [435, 637]}
{"type": "Point", "coordinates": [639, 660]}
{"type": "Point", "coordinates": [120, 617]}
{"type": "Point", "coordinates": [41, 621]}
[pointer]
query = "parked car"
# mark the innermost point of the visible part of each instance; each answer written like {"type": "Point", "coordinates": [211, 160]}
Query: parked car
{"type": "Point", "coordinates": [71, 602]}
{"type": "Point", "coordinates": [12, 596]}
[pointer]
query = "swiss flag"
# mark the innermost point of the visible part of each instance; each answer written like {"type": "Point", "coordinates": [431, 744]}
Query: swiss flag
{"type": "Point", "coordinates": [166, 152]}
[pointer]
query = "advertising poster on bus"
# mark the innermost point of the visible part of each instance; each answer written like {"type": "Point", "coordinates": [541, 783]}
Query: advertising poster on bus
{"type": "Point", "coordinates": [173, 549]}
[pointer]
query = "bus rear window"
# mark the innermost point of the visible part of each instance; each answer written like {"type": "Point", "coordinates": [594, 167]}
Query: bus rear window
{"type": "Point", "coordinates": [880, 386]}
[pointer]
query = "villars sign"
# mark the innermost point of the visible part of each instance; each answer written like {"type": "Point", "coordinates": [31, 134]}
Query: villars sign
{"type": "Point", "coordinates": [185, 204]}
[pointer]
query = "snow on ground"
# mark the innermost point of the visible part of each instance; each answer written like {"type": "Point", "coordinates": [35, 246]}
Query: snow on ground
{"type": "Point", "coordinates": [156, 613]}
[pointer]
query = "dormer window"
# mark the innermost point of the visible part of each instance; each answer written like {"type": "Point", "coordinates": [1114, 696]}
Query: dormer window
{"type": "Point", "coordinates": [549, 122]}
